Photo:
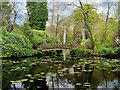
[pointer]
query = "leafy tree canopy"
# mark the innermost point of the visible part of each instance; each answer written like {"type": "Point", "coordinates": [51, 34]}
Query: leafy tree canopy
{"type": "Point", "coordinates": [38, 15]}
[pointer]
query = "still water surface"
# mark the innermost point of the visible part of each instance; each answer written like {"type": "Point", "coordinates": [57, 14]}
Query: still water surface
{"type": "Point", "coordinates": [49, 73]}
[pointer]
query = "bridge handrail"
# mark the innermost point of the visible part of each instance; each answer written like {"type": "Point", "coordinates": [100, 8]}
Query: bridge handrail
{"type": "Point", "coordinates": [58, 45]}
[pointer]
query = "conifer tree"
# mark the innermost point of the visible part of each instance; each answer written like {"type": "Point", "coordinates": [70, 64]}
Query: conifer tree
{"type": "Point", "coordinates": [38, 14]}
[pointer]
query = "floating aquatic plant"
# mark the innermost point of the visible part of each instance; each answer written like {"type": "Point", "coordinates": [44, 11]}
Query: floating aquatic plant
{"type": "Point", "coordinates": [78, 84]}
{"type": "Point", "coordinates": [23, 80]}
{"type": "Point", "coordinates": [31, 80]}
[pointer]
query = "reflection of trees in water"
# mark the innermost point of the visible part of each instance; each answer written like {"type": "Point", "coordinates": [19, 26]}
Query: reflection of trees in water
{"type": "Point", "coordinates": [85, 77]}
{"type": "Point", "coordinates": [61, 80]}
{"type": "Point", "coordinates": [36, 85]}
{"type": "Point", "coordinates": [105, 78]}
{"type": "Point", "coordinates": [119, 76]}
{"type": "Point", "coordinates": [95, 78]}
{"type": "Point", "coordinates": [109, 76]}
{"type": "Point", "coordinates": [119, 80]}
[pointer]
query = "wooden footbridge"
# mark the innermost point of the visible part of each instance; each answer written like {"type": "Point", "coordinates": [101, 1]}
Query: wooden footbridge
{"type": "Point", "coordinates": [57, 46]}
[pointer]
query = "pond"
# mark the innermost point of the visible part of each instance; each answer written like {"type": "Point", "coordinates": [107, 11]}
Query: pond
{"type": "Point", "coordinates": [60, 72]}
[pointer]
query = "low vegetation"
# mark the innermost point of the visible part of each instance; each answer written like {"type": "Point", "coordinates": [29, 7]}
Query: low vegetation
{"type": "Point", "coordinates": [77, 52]}
{"type": "Point", "coordinates": [23, 41]}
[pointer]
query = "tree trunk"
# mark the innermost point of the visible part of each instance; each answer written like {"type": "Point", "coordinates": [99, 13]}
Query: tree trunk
{"type": "Point", "coordinates": [53, 13]}
{"type": "Point", "coordinates": [106, 24]}
{"type": "Point", "coordinates": [87, 25]}
{"type": "Point", "coordinates": [7, 21]}
{"type": "Point", "coordinates": [15, 14]}
{"type": "Point", "coordinates": [83, 34]}
{"type": "Point", "coordinates": [64, 36]}
{"type": "Point", "coordinates": [57, 25]}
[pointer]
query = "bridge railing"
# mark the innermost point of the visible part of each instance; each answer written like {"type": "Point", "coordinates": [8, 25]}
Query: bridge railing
{"type": "Point", "coordinates": [58, 46]}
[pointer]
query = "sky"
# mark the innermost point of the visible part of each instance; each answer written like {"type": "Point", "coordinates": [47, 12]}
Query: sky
{"type": "Point", "coordinates": [101, 6]}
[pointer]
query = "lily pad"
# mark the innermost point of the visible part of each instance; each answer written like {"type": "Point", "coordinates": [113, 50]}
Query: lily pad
{"type": "Point", "coordinates": [31, 80]}
{"type": "Point", "coordinates": [23, 80]}
{"type": "Point", "coordinates": [78, 84]}
{"type": "Point", "coordinates": [39, 86]}
{"type": "Point", "coordinates": [29, 75]}
{"type": "Point", "coordinates": [40, 79]}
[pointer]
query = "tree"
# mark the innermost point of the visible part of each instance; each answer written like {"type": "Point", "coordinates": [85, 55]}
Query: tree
{"type": "Point", "coordinates": [55, 20]}
{"type": "Point", "coordinates": [15, 12]}
{"type": "Point", "coordinates": [85, 14]}
{"type": "Point", "coordinates": [77, 19]}
{"type": "Point", "coordinates": [6, 13]}
{"type": "Point", "coordinates": [66, 29]}
{"type": "Point", "coordinates": [11, 12]}
{"type": "Point", "coordinates": [107, 18]}
{"type": "Point", "coordinates": [38, 14]}
{"type": "Point", "coordinates": [53, 12]}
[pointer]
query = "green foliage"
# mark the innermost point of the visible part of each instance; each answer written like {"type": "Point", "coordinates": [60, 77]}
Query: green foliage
{"type": "Point", "coordinates": [70, 41]}
{"type": "Point", "coordinates": [15, 44]}
{"type": "Point", "coordinates": [38, 15]}
{"type": "Point", "coordinates": [82, 17]}
{"type": "Point", "coordinates": [5, 13]}
{"type": "Point", "coordinates": [105, 52]}
{"type": "Point", "coordinates": [37, 37]}
{"type": "Point", "coordinates": [4, 31]}
{"type": "Point", "coordinates": [116, 51]}
{"type": "Point", "coordinates": [51, 39]}
{"type": "Point", "coordinates": [10, 50]}
{"type": "Point", "coordinates": [110, 53]}
{"type": "Point", "coordinates": [59, 52]}
{"type": "Point", "coordinates": [39, 52]}
{"type": "Point", "coordinates": [51, 53]}
{"type": "Point", "coordinates": [87, 51]}
{"type": "Point", "coordinates": [27, 31]}
{"type": "Point", "coordinates": [27, 52]}
{"type": "Point", "coordinates": [77, 52]}
{"type": "Point", "coordinates": [40, 37]}
{"type": "Point", "coordinates": [88, 9]}
{"type": "Point", "coordinates": [87, 43]}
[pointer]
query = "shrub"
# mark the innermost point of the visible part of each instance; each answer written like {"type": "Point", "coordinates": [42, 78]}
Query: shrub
{"type": "Point", "coordinates": [39, 52]}
{"type": "Point", "coordinates": [34, 52]}
{"type": "Point", "coordinates": [20, 42]}
{"type": "Point", "coordinates": [15, 44]}
{"type": "Point", "coordinates": [37, 37]}
{"type": "Point", "coordinates": [4, 31]}
{"type": "Point", "coordinates": [105, 52]}
{"type": "Point", "coordinates": [117, 51]}
{"type": "Point", "coordinates": [77, 52]}
{"type": "Point", "coordinates": [51, 53]}
{"type": "Point", "coordinates": [87, 43]}
{"type": "Point", "coordinates": [27, 52]}
{"type": "Point", "coordinates": [11, 49]}
{"type": "Point", "coordinates": [87, 52]}
{"type": "Point", "coordinates": [59, 52]}
{"type": "Point", "coordinates": [70, 41]}
{"type": "Point", "coordinates": [40, 37]}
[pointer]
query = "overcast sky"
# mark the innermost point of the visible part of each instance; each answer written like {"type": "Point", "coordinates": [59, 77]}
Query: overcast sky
{"type": "Point", "coordinates": [101, 6]}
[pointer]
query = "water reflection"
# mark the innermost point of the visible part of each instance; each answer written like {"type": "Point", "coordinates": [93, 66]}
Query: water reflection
{"type": "Point", "coordinates": [34, 73]}
{"type": "Point", "coordinates": [64, 56]}
{"type": "Point", "coordinates": [30, 85]}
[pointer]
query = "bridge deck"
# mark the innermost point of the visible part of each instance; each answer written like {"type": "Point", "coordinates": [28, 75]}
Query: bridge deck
{"type": "Point", "coordinates": [53, 49]}
{"type": "Point", "coordinates": [57, 46]}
